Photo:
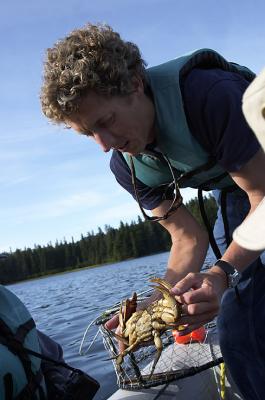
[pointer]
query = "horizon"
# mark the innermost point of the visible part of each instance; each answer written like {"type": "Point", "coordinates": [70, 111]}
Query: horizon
{"type": "Point", "coordinates": [92, 232]}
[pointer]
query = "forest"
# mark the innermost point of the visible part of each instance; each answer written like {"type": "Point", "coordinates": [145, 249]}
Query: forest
{"type": "Point", "coordinates": [111, 245]}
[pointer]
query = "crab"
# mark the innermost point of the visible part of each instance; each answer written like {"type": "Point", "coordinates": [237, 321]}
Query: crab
{"type": "Point", "coordinates": [147, 326]}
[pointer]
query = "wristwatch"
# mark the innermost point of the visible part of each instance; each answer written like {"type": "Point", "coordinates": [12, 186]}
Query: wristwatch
{"type": "Point", "coordinates": [232, 274]}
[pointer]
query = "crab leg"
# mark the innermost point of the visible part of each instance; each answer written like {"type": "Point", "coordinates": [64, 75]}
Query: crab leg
{"type": "Point", "coordinates": [120, 357]}
{"type": "Point", "coordinates": [159, 348]}
{"type": "Point", "coordinates": [119, 338]}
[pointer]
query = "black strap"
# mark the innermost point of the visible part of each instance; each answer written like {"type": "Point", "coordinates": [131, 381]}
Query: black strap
{"type": "Point", "coordinates": [209, 184]}
{"type": "Point", "coordinates": [58, 363]}
{"type": "Point", "coordinates": [201, 168]}
{"type": "Point", "coordinates": [226, 226]}
{"type": "Point", "coordinates": [228, 238]}
{"type": "Point", "coordinates": [224, 216]}
{"type": "Point", "coordinates": [8, 384]}
{"type": "Point", "coordinates": [33, 387]}
{"type": "Point", "coordinates": [24, 329]}
{"type": "Point", "coordinates": [21, 332]}
{"type": "Point", "coordinates": [207, 225]}
{"type": "Point", "coordinates": [8, 339]}
{"type": "Point", "coordinates": [4, 329]}
{"type": "Point", "coordinates": [211, 59]}
{"type": "Point", "coordinates": [183, 176]}
{"type": "Point", "coordinates": [30, 390]}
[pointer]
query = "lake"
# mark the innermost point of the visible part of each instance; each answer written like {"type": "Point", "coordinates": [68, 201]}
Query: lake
{"type": "Point", "coordinates": [63, 305]}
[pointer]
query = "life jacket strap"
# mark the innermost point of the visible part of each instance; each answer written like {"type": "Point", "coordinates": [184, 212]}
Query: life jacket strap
{"type": "Point", "coordinates": [205, 219]}
{"type": "Point", "coordinates": [24, 329]}
{"type": "Point", "coordinates": [201, 168]}
{"type": "Point", "coordinates": [9, 387]}
{"type": "Point", "coordinates": [14, 343]}
{"type": "Point", "coordinates": [30, 390]}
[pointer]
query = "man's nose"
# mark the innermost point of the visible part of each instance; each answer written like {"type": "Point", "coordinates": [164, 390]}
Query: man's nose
{"type": "Point", "coordinates": [104, 140]}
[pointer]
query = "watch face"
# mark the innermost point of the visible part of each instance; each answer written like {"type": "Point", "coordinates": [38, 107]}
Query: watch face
{"type": "Point", "coordinates": [232, 274]}
{"type": "Point", "coordinates": [234, 279]}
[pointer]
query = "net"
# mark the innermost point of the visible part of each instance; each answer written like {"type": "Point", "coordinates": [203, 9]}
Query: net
{"type": "Point", "coordinates": [177, 361]}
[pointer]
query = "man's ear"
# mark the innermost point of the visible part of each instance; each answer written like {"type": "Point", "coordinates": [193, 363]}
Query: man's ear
{"type": "Point", "coordinates": [137, 84]}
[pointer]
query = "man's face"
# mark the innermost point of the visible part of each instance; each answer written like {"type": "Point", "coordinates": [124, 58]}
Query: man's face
{"type": "Point", "coordinates": [124, 123]}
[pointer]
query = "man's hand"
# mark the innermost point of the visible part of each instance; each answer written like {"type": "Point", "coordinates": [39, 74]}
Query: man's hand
{"type": "Point", "coordinates": [112, 324]}
{"type": "Point", "coordinates": [201, 295]}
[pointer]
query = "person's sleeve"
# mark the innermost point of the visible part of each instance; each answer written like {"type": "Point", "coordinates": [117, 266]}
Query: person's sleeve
{"type": "Point", "coordinates": [218, 122]}
{"type": "Point", "coordinates": [150, 197]}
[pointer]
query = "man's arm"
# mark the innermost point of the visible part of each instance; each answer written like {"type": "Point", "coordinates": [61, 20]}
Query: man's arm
{"type": "Point", "coordinates": [189, 245]}
{"type": "Point", "coordinates": [189, 242]}
{"type": "Point", "coordinates": [188, 250]}
{"type": "Point", "coordinates": [200, 303]}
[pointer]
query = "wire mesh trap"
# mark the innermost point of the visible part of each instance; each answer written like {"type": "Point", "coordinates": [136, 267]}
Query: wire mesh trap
{"type": "Point", "coordinates": [176, 361]}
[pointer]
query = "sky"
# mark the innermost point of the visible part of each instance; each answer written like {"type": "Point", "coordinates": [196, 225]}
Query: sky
{"type": "Point", "coordinates": [55, 184]}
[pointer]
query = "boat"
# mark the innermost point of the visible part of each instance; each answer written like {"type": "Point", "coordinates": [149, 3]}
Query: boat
{"type": "Point", "coordinates": [202, 386]}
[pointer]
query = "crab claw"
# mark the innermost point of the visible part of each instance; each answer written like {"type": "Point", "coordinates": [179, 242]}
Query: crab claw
{"type": "Point", "coordinates": [169, 301]}
{"type": "Point", "coordinates": [130, 306]}
{"type": "Point", "coordinates": [164, 289]}
{"type": "Point", "coordinates": [127, 308]}
{"type": "Point", "coordinates": [161, 282]}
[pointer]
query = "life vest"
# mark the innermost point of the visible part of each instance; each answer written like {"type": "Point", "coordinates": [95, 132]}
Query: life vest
{"type": "Point", "coordinates": [20, 374]}
{"type": "Point", "coordinates": [192, 165]}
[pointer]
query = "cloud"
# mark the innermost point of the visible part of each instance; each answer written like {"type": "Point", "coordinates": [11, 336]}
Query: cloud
{"type": "Point", "coordinates": [53, 208]}
{"type": "Point", "coordinates": [26, 133]}
{"type": "Point", "coordinates": [125, 211]}
{"type": "Point", "coordinates": [65, 218]}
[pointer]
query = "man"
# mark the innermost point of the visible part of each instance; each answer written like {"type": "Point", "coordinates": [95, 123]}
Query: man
{"type": "Point", "coordinates": [249, 332]}
{"type": "Point", "coordinates": [179, 123]}
{"type": "Point", "coordinates": [246, 335]}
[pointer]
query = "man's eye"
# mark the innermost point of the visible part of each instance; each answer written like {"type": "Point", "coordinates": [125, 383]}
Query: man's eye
{"type": "Point", "coordinates": [107, 121]}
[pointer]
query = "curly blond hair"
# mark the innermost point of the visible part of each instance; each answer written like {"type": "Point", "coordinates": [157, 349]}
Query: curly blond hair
{"type": "Point", "coordinates": [91, 58]}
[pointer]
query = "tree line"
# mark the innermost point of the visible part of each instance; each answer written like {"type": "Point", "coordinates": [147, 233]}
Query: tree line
{"type": "Point", "coordinates": [137, 239]}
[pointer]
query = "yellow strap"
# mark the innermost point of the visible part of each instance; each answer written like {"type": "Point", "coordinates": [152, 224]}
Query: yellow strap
{"type": "Point", "coordinates": [222, 381]}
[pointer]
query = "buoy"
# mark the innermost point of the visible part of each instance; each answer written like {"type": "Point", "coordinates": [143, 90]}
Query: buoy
{"type": "Point", "coordinates": [198, 335]}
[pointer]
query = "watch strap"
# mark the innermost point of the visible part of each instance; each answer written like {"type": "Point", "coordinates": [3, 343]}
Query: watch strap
{"type": "Point", "coordinates": [225, 266]}
{"type": "Point", "coordinates": [233, 276]}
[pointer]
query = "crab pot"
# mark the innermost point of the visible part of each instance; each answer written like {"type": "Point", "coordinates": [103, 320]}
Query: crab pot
{"type": "Point", "coordinates": [176, 361]}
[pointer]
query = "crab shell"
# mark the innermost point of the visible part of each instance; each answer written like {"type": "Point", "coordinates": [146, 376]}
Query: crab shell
{"type": "Point", "coordinates": [148, 325]}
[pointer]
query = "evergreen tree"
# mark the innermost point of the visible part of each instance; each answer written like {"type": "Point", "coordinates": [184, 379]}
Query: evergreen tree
{"type": "Point", "coordinates": [136, 239]}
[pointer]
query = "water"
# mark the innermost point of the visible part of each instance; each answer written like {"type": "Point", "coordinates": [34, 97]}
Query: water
{"type": "Point", "coordinates": [63, 305]}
